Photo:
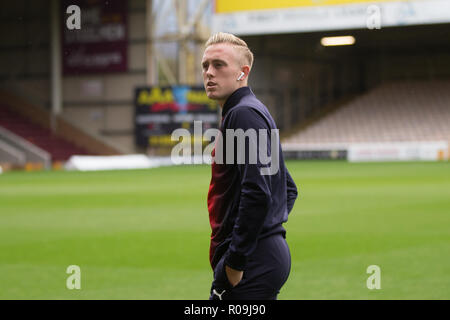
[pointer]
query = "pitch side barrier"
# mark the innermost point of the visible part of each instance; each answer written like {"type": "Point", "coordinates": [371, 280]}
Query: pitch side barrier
{"type": "Point", "coordinates": [370, 151]}
{"type": "Point", "coordinates": [354, 152]}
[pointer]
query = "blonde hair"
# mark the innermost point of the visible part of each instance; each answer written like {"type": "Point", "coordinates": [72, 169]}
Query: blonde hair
{"type": "Point", "coordinates": [222, 37]}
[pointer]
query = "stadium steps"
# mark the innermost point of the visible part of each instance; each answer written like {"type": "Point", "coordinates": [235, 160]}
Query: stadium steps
{"type": "Point", "coordinates": [392, 112]}
{"type": "Point", "coordinates": [323, 113]}
{"type": "Point", "coordinates": [60, 149]}
{"type": "Point", "coordinates": [64, 141]}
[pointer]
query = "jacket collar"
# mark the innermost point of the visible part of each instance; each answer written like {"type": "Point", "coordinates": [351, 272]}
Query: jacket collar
{"type": "Point", "coordinates": [234, 99]}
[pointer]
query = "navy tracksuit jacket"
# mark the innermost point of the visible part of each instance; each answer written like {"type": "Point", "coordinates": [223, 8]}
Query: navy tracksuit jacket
{"type": "Point", "coordinates": [244, 205]}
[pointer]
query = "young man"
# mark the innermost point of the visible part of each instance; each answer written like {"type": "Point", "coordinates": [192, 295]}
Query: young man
{"type": "Point", "coordinates": [247, 205]}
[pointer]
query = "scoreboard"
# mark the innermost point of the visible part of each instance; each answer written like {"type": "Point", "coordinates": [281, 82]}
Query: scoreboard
{"type": "Point", "coordinates": [161, 110]}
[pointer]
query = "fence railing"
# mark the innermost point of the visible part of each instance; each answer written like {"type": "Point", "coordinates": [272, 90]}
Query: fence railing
{"type": "Point", "coordinates": [32, 152]}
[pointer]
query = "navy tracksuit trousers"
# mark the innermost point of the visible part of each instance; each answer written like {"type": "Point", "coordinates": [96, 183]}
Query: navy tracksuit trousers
{"type": "Point", "coordinates": [266, 272]}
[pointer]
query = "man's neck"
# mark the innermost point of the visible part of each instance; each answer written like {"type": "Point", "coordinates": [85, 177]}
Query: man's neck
{"type": "Point", "coordinates": [222, 102]}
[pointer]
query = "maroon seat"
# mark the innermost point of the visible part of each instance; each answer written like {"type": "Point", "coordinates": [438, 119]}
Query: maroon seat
{"type": "Point", "coordinates": [59, 148]}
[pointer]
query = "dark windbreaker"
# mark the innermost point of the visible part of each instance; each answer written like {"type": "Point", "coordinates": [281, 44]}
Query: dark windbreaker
{"type": "Point", "coordinates": [245, 205]}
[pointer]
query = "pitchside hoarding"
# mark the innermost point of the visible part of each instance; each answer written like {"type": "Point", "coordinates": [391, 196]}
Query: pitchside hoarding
{"type": "Point", "coordinates": [100, 44]}
{"type": "Point", "coordinates": [253, 17]}
{"type": "Point", "coordinates": [161, 110]}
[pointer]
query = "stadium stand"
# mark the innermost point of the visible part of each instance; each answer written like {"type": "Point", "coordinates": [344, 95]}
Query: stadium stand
{"type": "Point", "coordinates": [59, 149]}
{"type": "Point", "coordinates": [30, 130]}
{"type": "Point", "coordinates": [391, 112]}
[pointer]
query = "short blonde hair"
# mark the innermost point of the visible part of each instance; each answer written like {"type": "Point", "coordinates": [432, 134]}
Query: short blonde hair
{"type": "Point", "coordinates": [222, 37]}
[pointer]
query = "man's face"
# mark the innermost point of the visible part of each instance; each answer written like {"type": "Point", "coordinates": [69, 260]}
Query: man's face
{"type": "Point", "coordinates": [220, 70]}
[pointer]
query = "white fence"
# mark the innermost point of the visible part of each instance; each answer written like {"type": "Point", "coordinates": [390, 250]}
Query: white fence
{"type": "Point", "coordinates": [382, 151]}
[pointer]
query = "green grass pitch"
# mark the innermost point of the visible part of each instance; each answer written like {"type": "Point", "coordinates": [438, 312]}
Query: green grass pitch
{"type": "Point", "coordinates": [144, 234]}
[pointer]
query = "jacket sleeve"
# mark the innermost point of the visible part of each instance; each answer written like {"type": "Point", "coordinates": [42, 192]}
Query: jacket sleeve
{"type": "Point", "coordinates": [255, 195]}
{"type": "Point", "coordinates": [291, 190]}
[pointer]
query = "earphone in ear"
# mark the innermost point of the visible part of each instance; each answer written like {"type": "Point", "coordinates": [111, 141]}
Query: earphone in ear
{"type": "Point", "coordinates": [240, 77]}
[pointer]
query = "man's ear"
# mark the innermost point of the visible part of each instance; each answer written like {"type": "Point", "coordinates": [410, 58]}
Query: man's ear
{"type": "Point", "coordinates": [246, 70]}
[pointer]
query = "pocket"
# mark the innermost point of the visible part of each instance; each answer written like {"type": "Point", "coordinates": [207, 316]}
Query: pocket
{"type": "Point", "coordinates": [220, 276]}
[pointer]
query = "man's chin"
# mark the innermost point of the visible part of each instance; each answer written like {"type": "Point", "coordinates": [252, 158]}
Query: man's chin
{"type": "Point", "coordinates": [212, 95]}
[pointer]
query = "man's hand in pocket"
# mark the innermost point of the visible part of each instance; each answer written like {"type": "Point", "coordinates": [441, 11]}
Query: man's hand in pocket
{"type": "Point", "coordinates": [234, 276]}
